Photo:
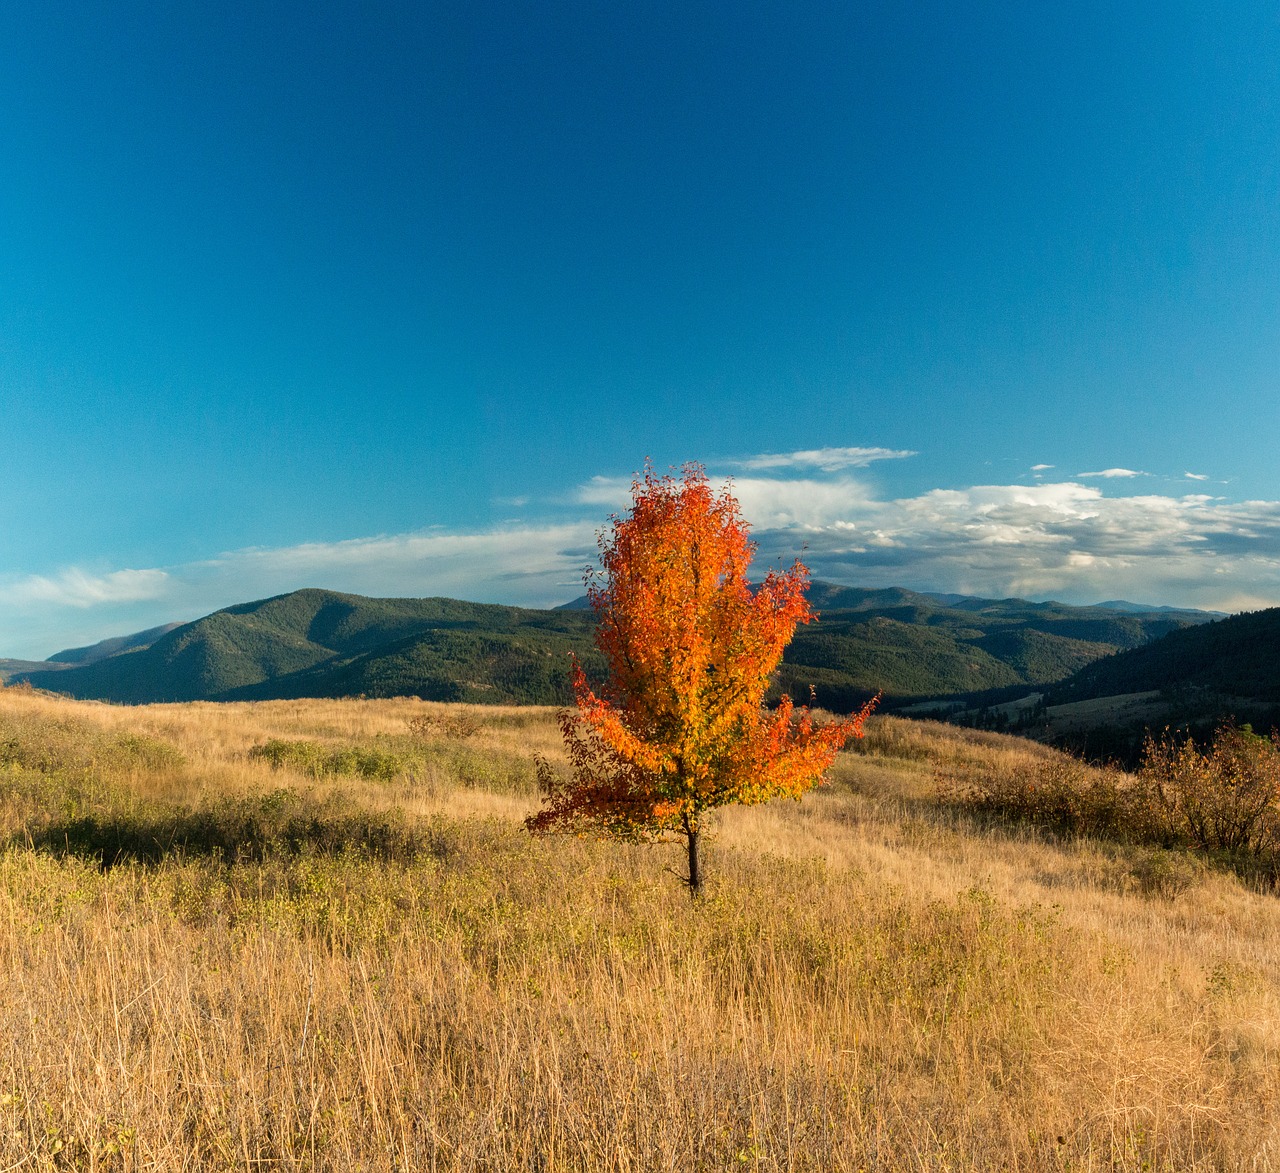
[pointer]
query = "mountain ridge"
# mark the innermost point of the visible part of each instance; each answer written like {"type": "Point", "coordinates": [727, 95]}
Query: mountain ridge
{"type": "Point", "coordinates": [314, 642]}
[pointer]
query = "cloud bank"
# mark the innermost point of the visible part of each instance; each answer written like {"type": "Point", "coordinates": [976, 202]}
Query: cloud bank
{"type": "Point", "coordinates": [1066, 539]}
{"type": "Point", "coordinates": [1063, 540]}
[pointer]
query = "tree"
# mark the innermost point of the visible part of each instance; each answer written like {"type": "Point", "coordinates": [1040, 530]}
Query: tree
{"type": "Point", "coordinates": [680, 727]}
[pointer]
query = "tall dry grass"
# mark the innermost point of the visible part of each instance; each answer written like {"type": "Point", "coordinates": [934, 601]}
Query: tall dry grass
{"type": "Point", "coordinates": [216, 962]}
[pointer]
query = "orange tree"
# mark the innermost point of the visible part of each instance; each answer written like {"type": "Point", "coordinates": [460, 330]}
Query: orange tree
{"type": "Point", "coordinates": [680, 726]}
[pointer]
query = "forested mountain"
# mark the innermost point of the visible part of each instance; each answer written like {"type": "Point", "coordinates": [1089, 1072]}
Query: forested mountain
{"type": "Point", "coordinates": [321, 643]}
{"type": "Point", "coordinates": [1238, 657]}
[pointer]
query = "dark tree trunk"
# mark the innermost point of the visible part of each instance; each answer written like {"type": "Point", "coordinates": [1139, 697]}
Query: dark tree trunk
{"type": "Point", "coordinates": [695, 875]}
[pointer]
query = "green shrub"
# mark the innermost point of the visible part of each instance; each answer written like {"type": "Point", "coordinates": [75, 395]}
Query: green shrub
{"type": "Point", "coordinates": [1223, 799]}
{"type": "Point", "coordinates": [456, 725]}
{"type": "Point", "coordinates": [136, 750]}
{"type": "Point", "coordinates": [78, 748]}
{"type": "Point", "coordinates": [307, 757]}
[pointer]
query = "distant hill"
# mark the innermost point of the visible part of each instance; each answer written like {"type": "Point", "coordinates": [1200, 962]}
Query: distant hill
{"type": "Point", "coordinates": [322, 643]}
{"type": "Point", "coordinates": [913, 645]}
{"type": "Point", "coordinates": [1143, 608]}
{"type": "Point", "coordinates": [1192, 679]}
{"type": "Point", "coordinates": [112, 647]}
{"type": "Point", "coordinates": [74, 657]}
{"type": "Point", "coordinates": [12, 669]}
{"type": "Point", "coordinates": [1238, 656]}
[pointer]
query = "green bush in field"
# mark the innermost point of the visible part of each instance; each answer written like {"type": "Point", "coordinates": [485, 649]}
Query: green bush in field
{"type": "Point", "coordinates": [72, 747]}
{"type": "Point", "coordinates": [306, 757]}
{"type": "Point", "coordinates": [1064, 794]}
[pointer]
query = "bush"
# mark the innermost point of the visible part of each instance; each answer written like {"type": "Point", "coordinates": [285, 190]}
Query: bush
{"type": "Point", "coordinates": [1223, 798]}
{"type": "Point", "coordinates": [1062, 793]}
{"type": "Point", "coordinates": [430, 725]}
{"type": "Point", "coordinates": [306, 757]}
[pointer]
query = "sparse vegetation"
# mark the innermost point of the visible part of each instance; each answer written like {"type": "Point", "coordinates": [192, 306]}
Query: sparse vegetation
{"type": "Point", "coordinates": [217, 962]}
{"type": "Point", "coordinates": [308, 757]}
{"type": "Point", "coordinates": [1222, 799]}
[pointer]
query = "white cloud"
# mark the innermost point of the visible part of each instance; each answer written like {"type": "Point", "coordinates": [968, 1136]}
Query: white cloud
{"type": "Point", "coordinates": [1040, 467]}
{"type": "Point", "coordinates": [1064, 540]}
{"type": "Point", "coordinates": [76, 588]}
{"type": "Point", "coordinates": [1059, 539]}
{"type": "Point", "coordinates": [1195, 476]}
{"type": "Point", "coordinates": [1113, 473]}
{"type": "Point", "coordinates": [531, 566]}
{"type": "Point", "coordinates": [609, 492]}
{"type": "Point", "coordinates": [822, 459]}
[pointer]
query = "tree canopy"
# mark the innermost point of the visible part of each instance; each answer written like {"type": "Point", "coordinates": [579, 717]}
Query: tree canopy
{"type": "Point", "coordinates": [680, 726]}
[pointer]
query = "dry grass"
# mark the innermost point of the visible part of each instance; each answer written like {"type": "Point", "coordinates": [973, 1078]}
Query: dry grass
{"type": "Point", "coordinates": [387, 973]}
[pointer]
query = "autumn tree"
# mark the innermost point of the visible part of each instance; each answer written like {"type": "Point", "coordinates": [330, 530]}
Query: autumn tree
{"type": "Point", "coordinates": [680, 726]}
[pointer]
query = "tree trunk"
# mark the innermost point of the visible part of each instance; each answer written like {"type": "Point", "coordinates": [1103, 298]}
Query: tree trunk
{"type": "Point", "coordinates": [695, 876]}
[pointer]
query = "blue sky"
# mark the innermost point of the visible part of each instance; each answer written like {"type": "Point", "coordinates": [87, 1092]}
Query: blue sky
{"type": "Point", "coordinates": [396, 298]}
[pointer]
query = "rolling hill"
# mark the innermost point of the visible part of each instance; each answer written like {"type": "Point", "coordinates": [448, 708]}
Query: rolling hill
{"type": "Point", "coordinates": [1193, 679]}
{"type": "Point", "coordinates": [315, 643]}
{"type": "Point", "coordinates": [1238, 656]}
{"type": "Point", "coordinates": [322, 643]}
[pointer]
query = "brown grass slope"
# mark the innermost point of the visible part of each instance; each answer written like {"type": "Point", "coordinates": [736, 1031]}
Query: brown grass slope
{"type": "Point", "coordinates": [313, 935]}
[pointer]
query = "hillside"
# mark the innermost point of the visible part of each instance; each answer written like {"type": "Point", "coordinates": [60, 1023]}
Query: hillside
{"type": "Point", "coordinates": [315, 643]}
{"type": "Point", "coordinates": [13, 669]}
{"type": "Point", "coordinates": [909, 645]}
{"type": "Point", "coordinates": [317, 932]}
{"type": "Point", "coordinates": [1192, 679]}
{"type": "Point", "coordinates": [1238, 656]}
{"type": "Point", "coordinates": [322, 643]}
{"type": "Point", "coordinates": [112, 647]}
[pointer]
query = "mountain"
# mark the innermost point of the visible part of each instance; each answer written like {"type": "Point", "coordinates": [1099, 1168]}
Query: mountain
{"type": "Point", "coordinates": [912, 646]}
{"type": "Point", "coordinates": [75, 657]}
{"type": "Point", "coordinates": [322, 643]}
{"type": "Point", "coordinates": [1143, 608]}
{"type": "Point", "coordinates": [12, 669]}
{"type": "Point", "coordinates": [1238, 656]}
{"type": "Point", "coordinates": [111, 647]}
{"type": "Point", "coordinates": [1192, 679]}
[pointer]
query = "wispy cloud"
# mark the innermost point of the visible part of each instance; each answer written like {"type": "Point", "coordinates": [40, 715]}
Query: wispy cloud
{"type": "Point", "coordinates": [77, 588]}
{"type": "Point", "coordinates": [822, 459]}
{"type": "Point", "coordinates": [532, 566]}
{"type": "Point", "coordinates": [1041, 467]}
{"type": "Point", "coordinates": [1196, 476]}
{"type": "Point", "coordinates": [1112, 474]}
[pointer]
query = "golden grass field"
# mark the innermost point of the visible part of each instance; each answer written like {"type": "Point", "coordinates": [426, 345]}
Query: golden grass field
{"type": "Point", "coordinates": [213, 962]}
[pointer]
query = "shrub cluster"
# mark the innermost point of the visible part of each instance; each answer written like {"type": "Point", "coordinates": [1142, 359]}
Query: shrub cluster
{"type": "Point", "coordinates": [78, 748]}
{"type": "Point", "coordinates": [1222, 798]}
{"type": "Point", "coordinates": [1062, 793]}
{"type": "Point", "coordinates": [307, 757]}
{"type": "Point", "coordinates": [1225, 797]}
{"type": "Point", "coordinates": [456, 725]}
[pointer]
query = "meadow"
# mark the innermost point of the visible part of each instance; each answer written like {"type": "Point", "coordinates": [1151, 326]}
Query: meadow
{"type": "Point", "coordinates": [314, 935]}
